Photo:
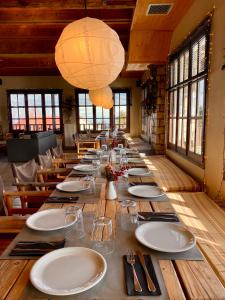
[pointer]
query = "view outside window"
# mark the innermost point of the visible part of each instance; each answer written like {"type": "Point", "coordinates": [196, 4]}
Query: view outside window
{"type": "Point", "coordinates": [31, 111]}
{"type": "Point", "coordinates": [95, 118]}
{"type": "Point", "coordinates": [187, 95]}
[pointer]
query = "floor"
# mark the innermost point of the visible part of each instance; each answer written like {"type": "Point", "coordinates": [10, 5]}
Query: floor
{"type": "Point", "coordinates": [6, 173]}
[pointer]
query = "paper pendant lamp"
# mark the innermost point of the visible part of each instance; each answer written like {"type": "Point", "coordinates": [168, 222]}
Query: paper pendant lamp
{"type": "Point", "coordinates": [89, 54]}
{"type": "Point", "coordinates": [102, 97]}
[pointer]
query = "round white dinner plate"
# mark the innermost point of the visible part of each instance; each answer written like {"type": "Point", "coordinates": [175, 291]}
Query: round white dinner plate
{"type": "Point", "coordinates": [85, 168]}
{"type": "Point", "coordinates": [135, 160]}
{"type": "Point", "coordinates": [92, 151]}
{"type": "Point", "coordinates": [72, 186]}
{"type": "Point", "coordinates": [68, 271]}
{"type": "Point", "coordinates": [145, 191]}
{"type": "Point", "coordinates": [90, 157]}
{"type": "Point", "coordinates": [139, 172]}
{"type": "Point", "coordinates": [165, 237]}
{"type": "Point", "coordinates": [48, 220]}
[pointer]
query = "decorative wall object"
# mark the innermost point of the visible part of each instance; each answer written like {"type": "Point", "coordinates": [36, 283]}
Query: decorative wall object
{"type": "Point", "coordinates": [89, 54]}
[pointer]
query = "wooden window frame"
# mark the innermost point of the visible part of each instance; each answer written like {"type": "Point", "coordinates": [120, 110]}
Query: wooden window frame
{"type": "Point", "coordinates": [112, 110]}
{"type": "Point", "coordinates": [202, 30]}
{"type": "Point", "coordinates": [25, 92]}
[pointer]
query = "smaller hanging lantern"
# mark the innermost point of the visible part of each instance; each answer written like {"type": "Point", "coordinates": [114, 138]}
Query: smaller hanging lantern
{"type": "Point", "coordinates": [102, 97]}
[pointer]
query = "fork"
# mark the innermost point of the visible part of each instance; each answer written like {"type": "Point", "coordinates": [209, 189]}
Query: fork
{"type": "Point", "coordinates": [131, 261]}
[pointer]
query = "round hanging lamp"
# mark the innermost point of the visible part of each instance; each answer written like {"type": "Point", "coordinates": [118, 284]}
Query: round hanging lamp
{"type": "Point", "coordinates": [89, 54]}
{"type": "Point", "coordinates": [102, 97]}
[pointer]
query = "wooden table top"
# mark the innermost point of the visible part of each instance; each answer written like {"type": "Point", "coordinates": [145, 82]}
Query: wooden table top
{"type": "Point", "coordinates": [183, 279]}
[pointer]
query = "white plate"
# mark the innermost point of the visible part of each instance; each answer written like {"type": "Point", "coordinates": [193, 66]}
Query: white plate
{"type": "Point", "coordinates": [72, 186]}
{"type": "Point", "coordinates": [48, 220]}
{"type": "Point", "coordinates": [145, 191]}
{"type": "Point", "coordinates": [165, 237]}
{"type": "Point", "coordinates": [139, 172]}
{"type": "Point", "coordinates": [135, 160]}
{"type": "Point", "coordinates": [90, 157]}
{"type": "Point", "coordinates": [68, 271]}
{"type": "Point", "coordinates": [85, 168]}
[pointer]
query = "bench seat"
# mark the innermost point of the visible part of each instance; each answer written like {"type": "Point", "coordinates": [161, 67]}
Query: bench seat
{"type": "Point", "coordinates": [170, 177]}
{"type": "Point", "coordinates": [206, 220]}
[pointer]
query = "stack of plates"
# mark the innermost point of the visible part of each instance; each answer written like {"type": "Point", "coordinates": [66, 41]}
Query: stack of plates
{"type": "Point", "coordinates": [68, 271]}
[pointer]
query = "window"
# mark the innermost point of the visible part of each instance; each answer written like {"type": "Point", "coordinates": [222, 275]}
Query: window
{"type": "Point", "coordinates": [187, 97]}
{"type": "Point", "coordinates": [35, 110]}
{"type": "Point", "coordinates": [96, 118]}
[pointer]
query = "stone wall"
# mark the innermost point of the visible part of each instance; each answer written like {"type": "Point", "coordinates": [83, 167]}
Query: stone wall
{"type": "Point", "coordinates": [157, 111]}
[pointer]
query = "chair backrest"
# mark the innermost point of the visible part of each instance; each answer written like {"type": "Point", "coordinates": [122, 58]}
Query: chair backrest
{"type": "Point", "coordinates": [26, 172]}
{"type": "Point", "coordinates": [2, 204]}
{"type": "Point", "coordinates": [45, 161]}
{"type": "Point", "coordinates": [57, 152]}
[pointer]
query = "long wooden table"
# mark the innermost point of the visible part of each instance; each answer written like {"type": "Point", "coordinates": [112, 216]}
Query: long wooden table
{"type": "Point", "coordinates": [183, 279]}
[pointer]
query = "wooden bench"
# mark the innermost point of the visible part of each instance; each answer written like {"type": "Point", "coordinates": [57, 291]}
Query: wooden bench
{"type": "Point", "coordinates": [206, 220]}
{"type": "Point", "coordinates": [170, 177]}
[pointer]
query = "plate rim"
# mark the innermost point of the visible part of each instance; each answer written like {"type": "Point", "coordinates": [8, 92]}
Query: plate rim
{"type": "Point", "coordinates": [51, 210]}
{"type": "Point", "coordinates": [144, 185]}
{"type": "Point", "coordinates": [160, 249]}
{"type": "Point", "coordinates": [77, 191]}
{"type": "Point", "coordinates": [75, 167]}
{"type": "Point", "coordinates": [144, 174]}
{"type": "Point", "coordinates": [62, 250]}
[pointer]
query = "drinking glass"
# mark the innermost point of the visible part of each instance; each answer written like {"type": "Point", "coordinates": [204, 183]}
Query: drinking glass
{"type": "Point", "coordinates": [77, 230]}
{"type": "Point", "coordinates": [102, 236]}
{"type": "Point", "coordinates": [123, 161]}
{"type": "Point", "coordinates": [104, 147]}
{"type": "Point", "coordinates": [120, 146]}
{"type": "Point", "coordinates": [127, 221]}
{"type": "Point", "coordinates": [90, 180]}
{"type": "Point", "coordinates": [97, 165]}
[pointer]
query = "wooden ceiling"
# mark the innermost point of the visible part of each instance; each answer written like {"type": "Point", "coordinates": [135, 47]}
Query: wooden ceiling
{"type": "Point", "coordinates": [151, 35]}
{"type": "Point", "coordinates": [29, 30]}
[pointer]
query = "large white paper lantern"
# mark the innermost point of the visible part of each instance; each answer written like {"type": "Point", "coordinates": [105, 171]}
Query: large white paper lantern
{"type": "Point", "coordinates": [89, 54]}
{"type": "Point", "coordinates": [102, 97]}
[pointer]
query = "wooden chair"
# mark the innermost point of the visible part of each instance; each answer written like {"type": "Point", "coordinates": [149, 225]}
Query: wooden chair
{"type": "Point", "coordinates": [61, 159]}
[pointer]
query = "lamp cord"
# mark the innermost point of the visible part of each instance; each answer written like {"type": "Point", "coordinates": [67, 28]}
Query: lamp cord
{"type": "Point", "coordinates": [85, 7]}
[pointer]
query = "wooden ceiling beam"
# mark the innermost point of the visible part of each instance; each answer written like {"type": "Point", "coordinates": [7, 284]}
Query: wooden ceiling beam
{"type": "Point", "coordinates": [68, 4]}
{"type": "Point", "coordinates": [29, 15]}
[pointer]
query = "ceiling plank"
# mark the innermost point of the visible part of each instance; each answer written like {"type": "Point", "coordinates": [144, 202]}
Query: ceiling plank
{"type": "Point", "coordinates": [29, 15]}
{"type": "Point", "coordinates": [69, 4]}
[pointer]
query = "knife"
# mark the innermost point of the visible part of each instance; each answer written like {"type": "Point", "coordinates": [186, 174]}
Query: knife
{"type": "Point", "coordinates": [151, 286]}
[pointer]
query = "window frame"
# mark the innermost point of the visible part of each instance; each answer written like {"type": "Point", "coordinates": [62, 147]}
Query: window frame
{"type": "Point", "coordinates": [111, 113]}
{"type": "Point", "coordinates": [186, 47]}
{"type": "Point", "coordinates": [25, 92]}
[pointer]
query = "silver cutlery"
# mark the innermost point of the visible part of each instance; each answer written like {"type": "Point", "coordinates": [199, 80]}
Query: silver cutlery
{"type": "Point", "coordinates": [131, 261]}
{"type": "Point", "coordinates": [151, 286]}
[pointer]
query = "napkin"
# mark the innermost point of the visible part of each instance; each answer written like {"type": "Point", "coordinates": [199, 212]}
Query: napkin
{"type": "Point", "coordinates": [158, 216]}
{"type": "Point", "coordinates": [35, 248]}
{"type": "Point", "coordinates": [55, 199]}
{"type": "Point", "coordinates": [141, 277]}
{"type": "Point", "coordinates": [144, 183]}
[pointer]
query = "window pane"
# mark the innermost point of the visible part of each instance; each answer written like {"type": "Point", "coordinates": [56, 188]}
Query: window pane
{"type": "Point", "coordinates": [175, 71]}
{"type": "Point", "coordinates": [171, 104]}
{"type": "Point", "coordinates": [179, 132]}
{"type": "Point", "coordinates": [201, 96]}
{"type": "Point", "coordinates": [194, 59]}
{"type": "Point", "coordinates": [57, 112]}
{"type": "Point", "coordinates": [171, 74]}
{"type": "Point", "coordinates": [186, 65]}
{"type": "Point", "coordinates": [181, 102]}
{"type": "Point", "coordinates": [185, 108]}
{"type": "Point", "coordinates": [117, 112]}
{"type": "Point", "coordinates": [22, 113]}
{"type": "Point", "coordinates": [175, 104]}
{"type": "Point", "coordinates": [192, 136]}
{"type": "Point", "coordinates": [14, 113]}
{"type": "Point", "coordinates": [13, 99]}
{"type": "Point", "coordinates": [38, 100]}
{"type": "Point", "coordinates": [48, 112]}
{"type": "Point", "coordinates": [98, 112]}
{"type": "Point", "coordinates": [82, 112]}
{"type": "Point", "coordinates": [193, 99]}
{"type": "Point", "coordinates": [123, 99]}
{"type": "Point", "coordinates": [88, 101]}
{"type": "Point", "coordinates": [21, 100]}
{"type": "Point", "coordinates": [199, 129]}
{"type": "Point", "coordinates": [181, 71]}
{"type": "Point", "coordinates": [106, 113]}
{"type": "Point", "coordinates": [117, 98]}
{"type": "Point", "coordinates": [184, 134]}
{"type": "Point", "coordinates": [48, 100]}
{"type": "Point", "coordinates": [171, 130]}
{"type": "Point", "coordinates": [38, 112]}
{"type": "Point", "coordinates": [30, 98]}
{"type": "Point", "coordinates": [56, 99]}
{"type": "Point", "coordinates": [31, 112]}
{"type": "Point", "coordinates": [81, 99]}
{"type": "Point", "coordinates": [174, 132]}
{"type": "Point", "coordinates": [123, 111]}
{"type": "Point", "coordinates": [89, 110]}
{"type": "Point", "coordinates": [202, 54]}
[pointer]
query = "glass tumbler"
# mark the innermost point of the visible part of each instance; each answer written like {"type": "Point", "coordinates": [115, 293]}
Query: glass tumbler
{"type": "Point", "coordinates": [128, 220]}
{"type": "Point", "coordinates": [90, 180]}
{"type": "Point", "coordinates": [77, 230]}
{"type": "Point", "coordinates": [102, 237]}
